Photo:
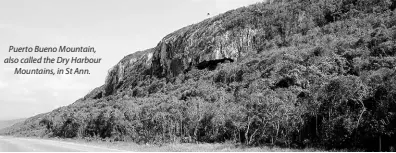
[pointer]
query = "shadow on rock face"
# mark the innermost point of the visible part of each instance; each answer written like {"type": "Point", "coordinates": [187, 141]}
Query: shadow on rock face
{"type": "Point", "coordinates": [212, 64]}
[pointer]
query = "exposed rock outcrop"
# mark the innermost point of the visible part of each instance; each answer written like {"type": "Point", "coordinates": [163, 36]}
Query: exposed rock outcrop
{"type": "Point", "coordinates": [207, 41]}
{"type": "Point", "coordinates": [201, 45]}
{"type": "Point", "coordinates": [135, 64]}
{"type": "Point", "coordinates": [129, 68]}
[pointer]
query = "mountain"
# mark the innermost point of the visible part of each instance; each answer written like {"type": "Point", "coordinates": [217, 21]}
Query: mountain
{"type": "Point", "coordinates": [291, 73]}
{"type": "Point", "coordinates": [8, 123]}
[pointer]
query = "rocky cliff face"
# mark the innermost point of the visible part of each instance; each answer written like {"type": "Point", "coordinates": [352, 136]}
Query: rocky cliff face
{"type": "Point", "coordinates": [201, 45]}
{"type": "Point", "coordinates": [133, 65]}
{"type": "Point", "coordinates": [130, 67]}
{"type": "Point", "coordinates": [207, 41]}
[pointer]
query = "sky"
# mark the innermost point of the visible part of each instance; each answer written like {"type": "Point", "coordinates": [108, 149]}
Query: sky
{"type": "Point", "coordinates": [114, 28]}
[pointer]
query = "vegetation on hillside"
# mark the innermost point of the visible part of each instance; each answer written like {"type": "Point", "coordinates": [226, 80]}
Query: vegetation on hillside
{"type": "Point", "coordinates": [322, 75]}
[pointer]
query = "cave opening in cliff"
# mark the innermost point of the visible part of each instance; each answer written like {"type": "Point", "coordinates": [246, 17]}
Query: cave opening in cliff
{"type": "Point", "coordinates": [212, 64]}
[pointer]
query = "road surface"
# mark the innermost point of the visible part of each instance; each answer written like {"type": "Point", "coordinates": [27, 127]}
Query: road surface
{"type": "Point", "coordinates": [13, 144]}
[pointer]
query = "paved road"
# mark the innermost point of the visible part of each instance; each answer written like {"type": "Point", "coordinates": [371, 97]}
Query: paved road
{"type": "Point", "coordinates": [12, 144]}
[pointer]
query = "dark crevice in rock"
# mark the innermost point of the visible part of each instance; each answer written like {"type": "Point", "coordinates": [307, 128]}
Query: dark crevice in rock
{"type": "Point", "coordinates": [285, 83]}
{"type": "Point", "coordinates": [393, 6]}
{"type": "Point", "coordinates": [302, 95]}
{"type": "Point", "coordinates": [119, 84]}
{"type": "Point", "coordinates": [98, 95]}
{"type": "Point", "coordinates": [190, 66]}
{"type": "Point", "coordinates": [212, 64]}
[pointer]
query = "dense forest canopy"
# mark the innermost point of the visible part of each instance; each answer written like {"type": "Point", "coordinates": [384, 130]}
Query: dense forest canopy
{"type": "Point", "coordinates": [292, 73]}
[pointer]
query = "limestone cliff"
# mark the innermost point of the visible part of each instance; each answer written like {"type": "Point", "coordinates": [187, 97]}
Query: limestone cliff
{"type": "Point", "coordinates": [199, 45]}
